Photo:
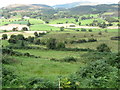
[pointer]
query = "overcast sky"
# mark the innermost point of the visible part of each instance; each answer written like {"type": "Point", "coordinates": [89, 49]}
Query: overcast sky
{"type": "Point", "coordinates": [49, 2]}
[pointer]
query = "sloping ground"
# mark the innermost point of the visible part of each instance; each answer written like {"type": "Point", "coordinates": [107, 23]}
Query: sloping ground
{"type": "Point", "coordinates": [90, 27]}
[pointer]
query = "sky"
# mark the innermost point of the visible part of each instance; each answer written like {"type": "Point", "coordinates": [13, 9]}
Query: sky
{"type": "Point", "coordinates": [50, 2]}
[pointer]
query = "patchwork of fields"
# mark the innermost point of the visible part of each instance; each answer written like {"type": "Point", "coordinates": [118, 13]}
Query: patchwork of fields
{"type": "Point", "coordinates": [32, 57]}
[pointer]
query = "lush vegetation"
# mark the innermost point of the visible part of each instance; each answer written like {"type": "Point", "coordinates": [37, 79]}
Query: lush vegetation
{"type": "Point", "coordinates": [82, 56]}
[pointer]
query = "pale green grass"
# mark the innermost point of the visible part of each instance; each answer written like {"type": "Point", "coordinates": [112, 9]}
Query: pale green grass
{"type": "Point", "coordinates": [43, 27]}
{"type": "Point", "coordinates": [89, 21]}
{"type": "Point", "coordinates": [42, 68]}
{"type": "Point", "coordinates": [63, 20]}
{"type": "Point", "coordinates": [36, 21]}
{"type": "Point", "coordinates": [51, 53]}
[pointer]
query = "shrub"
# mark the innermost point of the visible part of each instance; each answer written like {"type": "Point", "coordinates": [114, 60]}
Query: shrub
{"type": "Point", "coordinates": [36, 34]}
{"type": "Point", "coordinates": [92, 40]}
{"type": "Point", "coordinates": [60, 45]}
{"type": "Point", "coordinates": [103, 48]}
{"type": "Point", "coordinates": [51, 43]}
{"type": "Point", "coordinates": [100, 33]}
{"type": "Point", "coordinates": [90, 30]}
{"type": "Point", "coordinates": [82, 29]}
{"type": "Point", "coordinates": [61, 28]}
{"type": "Point", "coordinates": [12, 40]}
{"type": "Point", "coordinates": [70, 59]}
{"type": "Point", "coordinates": [98, 74]}
{"type": "Point", "coordinates": [40, 83]}
{"type": "Point", "coordinates": [4, 36]}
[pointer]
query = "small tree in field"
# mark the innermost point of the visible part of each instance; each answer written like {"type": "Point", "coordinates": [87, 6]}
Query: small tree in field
{"type": "Point", "coordinates": [36, 34]}
{"type": "Point", "coordinates": [79, 23]}
{"type": "Point", "coordinates": [4, 36]}
{"type": "Point", "coordinates": [103, 48]}
{"type": "Point", "coordinates": [61, 28]}
{"type": "Point", "coordinates": [51, 43]}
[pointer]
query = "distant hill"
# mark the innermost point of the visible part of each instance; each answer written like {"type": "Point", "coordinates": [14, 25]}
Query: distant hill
{"type": "Point", "coordinates": [74, 4]}
{"type": "Point", "coordinates": [27, 6]}
{"type": "Point", "coordinates": [87, 9]}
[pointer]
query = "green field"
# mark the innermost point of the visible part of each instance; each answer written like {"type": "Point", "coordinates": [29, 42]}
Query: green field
{"type": "Point", "coordinates": [62, 20]}
{"type": "Point", "coordinates": [43, 27]}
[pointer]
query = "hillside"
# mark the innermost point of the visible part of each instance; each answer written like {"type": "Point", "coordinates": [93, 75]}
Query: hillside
{"type": "Point", "coordinates": [74, 4]}
{"type": "Point", "coordinates": [18, 8]}
{"type": "Point", "coordinates": [87, 9]}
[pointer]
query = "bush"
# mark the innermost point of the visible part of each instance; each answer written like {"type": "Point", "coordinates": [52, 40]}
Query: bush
{"type": "Point", "coordinates": [60, 45]}
{"type": "Point", "coordinates": [40, 83]}
{"type": "Point", "coordinates": [84, 30]}
{"type": "Point", "coordinates": [90, 30]}
{"type": "Point", "coordinates": [70, 59]}
{"type": "Point", "coordinates": [98, 74]}
{"type": "Point", "coordinates": [4, 36]}
{"type": "Point", "coordinates": [51, 43]}
{"type": "Point", "coordinates": [92, 40]}
{"type": "Point", "coordinates": [61, 28]}
{"type": "Point", "coordinates": [103, 48]}
{"type": "Point", "coordinates": [9, 78]}
{"type": "Point", "coordinates": [36, 34]}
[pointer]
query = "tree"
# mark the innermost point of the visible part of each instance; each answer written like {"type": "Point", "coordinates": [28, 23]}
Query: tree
{"type": "Point", "coordinates": [36, 34]}
{"type": "Point", "coordinates": [90, 30]}
{"type": "Point", "coordinates": [4, 36]}
{"type": "Point", "coordinates": [79, 23]}
{"type": "Point", "coordinates": [103, 48]}
{"type": "Point", "coordinates": [61, 28]}
{"type": "Point", "coordinates": [13, 36]}
{"type": "Point", "coordinates": [20, 37]}
{"type": "Point", "coordinates": [76, 20]}
{"type": "Point", "coordinates": [51, 43]}
{"type": "Point", "coordinates": [28, 24]}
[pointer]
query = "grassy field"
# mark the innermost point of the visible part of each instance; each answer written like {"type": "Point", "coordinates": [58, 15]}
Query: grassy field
{"type": "Point", "coordinates": [62, 20]}
{"type": "Point", "coordinates": [67, 36]}
{"type": "Point", "coordinates": [43, 67]}
{"type": "Point", "coordinates": [89, 21]}
{"type": "Point", "coordinates": [43, 27]}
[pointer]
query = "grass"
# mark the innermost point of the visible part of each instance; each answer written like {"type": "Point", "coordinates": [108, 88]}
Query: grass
{"type": "Point", "coordinates": [67, 36]}
{"type": "Point", "coordinates": [15, 21]}
{"type": "Point", "coordinates": [62, 20]}
{"type": "Point", "coordinates": [36, 21]}
{"type": "Point", "coordinates": [42, 68]}
{"type": "Point", "coordinates": [89, 21]}
{"type": "Point", "coordinates": [20, 22]}
{"type": "Point", "coordinates": [48, 54]}
{"type": "Point", "coordinates": [43, 27]}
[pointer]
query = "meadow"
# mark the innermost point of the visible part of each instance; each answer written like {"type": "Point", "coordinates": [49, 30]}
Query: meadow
{"type": "Point", "coordinates": [50, 64]}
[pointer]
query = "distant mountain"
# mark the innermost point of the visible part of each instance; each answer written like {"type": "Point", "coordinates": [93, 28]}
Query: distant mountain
{"type": "Point", "coordinates": [87, 9]}
{"type": "Point", "coordinates": [74, 4]}
{"type": "Point", "coordinates": [27, 6]}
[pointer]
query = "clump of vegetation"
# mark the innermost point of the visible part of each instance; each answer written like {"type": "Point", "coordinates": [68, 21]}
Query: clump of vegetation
{"type": "Point", "coordinates": [69, 59]}
{"type": "Point", "coordinates": [103, 48]}
{"type": "Point", "coordinates": [4, 36]}
{"type": "Point", "coordinates": [51, 43]}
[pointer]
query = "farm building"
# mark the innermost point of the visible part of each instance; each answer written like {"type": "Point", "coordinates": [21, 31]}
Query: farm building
{"type": "Point", "coordinates": [25, 17]}
{"type": "Point", "coordinates": [15, 27]}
